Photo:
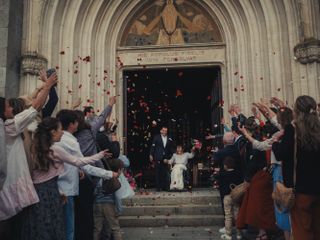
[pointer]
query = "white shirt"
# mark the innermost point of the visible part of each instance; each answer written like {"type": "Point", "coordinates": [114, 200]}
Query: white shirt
{"type": "Point", "coordinates": [68, 182]}
{"type": "Point", "coordinates": [164, 140]}
{"type": "Point", "coordinates": [3, 159]}
{"type": "Point", "coordinates": [18, 189]}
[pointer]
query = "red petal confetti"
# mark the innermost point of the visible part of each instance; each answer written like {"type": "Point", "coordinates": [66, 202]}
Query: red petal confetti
{"type": "Point", "coordinates": [57, 67]}
{"type": "Point", "coordinates": [75, 62]}
{"type": "Point", "coordinates": [87, 59]}
{"type": "Point", "coordinates": [67, 102]}
{"type": "Point", "coordinates": [178, 93]}
{"type": "Point", "coordinates": [241, 77]}
{"type": "Point", "coordinates": [98, 110]}
{"type": "Point", "coordinates": [278, 89]}
{"type": "Point", "coordinates": [108, 93]}
{"type": "Point", "coordinates": [62, 52]}
{"type": "Point", "coordinates": [69, 91]}
{"type": "Point", "coordinates": [111, 81]}
{"type": "Point", "coordinates": [176, 59]}
{"type": "Point", "coordinates": [88, 100]}
{"type": "Point", "coordinates": [235, 73]}
{"type": "Point", "coordinates": [98, 83]}
{"type": "Point", "coordinates": [261, 78]}
{"type": "Point", "coordinates": [105, 71]}
{"type": "Point", "coordinates": [235, 89]}
{"type": "Point", "coordinates": [80, 86]}
{"type": "Point", "coordinates": [75, 71]}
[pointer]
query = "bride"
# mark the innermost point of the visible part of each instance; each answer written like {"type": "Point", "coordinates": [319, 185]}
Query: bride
{"type": "Point", "coordinates": [180, 160]}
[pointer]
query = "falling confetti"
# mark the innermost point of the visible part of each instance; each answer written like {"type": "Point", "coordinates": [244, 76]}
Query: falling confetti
{"type": "Point", "coordinates": [80, 86]}
{"type": "Point", "coordinates": [62, 53]}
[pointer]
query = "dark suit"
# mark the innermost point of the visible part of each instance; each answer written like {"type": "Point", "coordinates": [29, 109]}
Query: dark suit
{"type": "Point", "coordinates": [159, 152]}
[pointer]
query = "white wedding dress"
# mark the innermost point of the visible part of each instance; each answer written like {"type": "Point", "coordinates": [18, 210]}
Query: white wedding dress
{"type": "Point", "coordinates": [180, 164]}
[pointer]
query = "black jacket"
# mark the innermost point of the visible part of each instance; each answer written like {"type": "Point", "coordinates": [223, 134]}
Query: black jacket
{"type": "Point", "coordinates": [158, 151]}
{"type": "Point", "coordinates": [308, 164]}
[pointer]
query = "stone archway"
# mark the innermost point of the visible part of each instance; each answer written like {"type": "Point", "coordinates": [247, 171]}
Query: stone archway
{"type": "Point", "coordinates": [82, 39]}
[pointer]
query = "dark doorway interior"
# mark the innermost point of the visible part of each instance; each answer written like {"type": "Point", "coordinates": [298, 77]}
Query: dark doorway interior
{"type": "Point", "coordinates": [187, 100]}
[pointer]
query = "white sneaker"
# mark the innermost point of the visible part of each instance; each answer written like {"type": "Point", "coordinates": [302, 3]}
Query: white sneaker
{"type": "Point", "coordinates": [239, 236]}
{"type": "Point", "coordinates": [225, 236]}
{"type": "Point", "coordinates": [222, 230]}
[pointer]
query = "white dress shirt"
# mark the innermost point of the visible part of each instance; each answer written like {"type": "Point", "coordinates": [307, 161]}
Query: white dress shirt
{"type": "Point", "coordinates": [68, 182]}
{"type": "Point", "coordinates": [164, 140]}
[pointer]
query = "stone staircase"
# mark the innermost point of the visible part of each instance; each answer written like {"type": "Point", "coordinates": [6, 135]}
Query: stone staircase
{"type": "Point", "coordinates": [183, 209]}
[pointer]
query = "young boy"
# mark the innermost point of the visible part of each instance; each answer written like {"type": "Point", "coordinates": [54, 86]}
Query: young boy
{"type": "Point", "coordinates": [107, 207]}
{"type": "Point", "coordinates": [229, 176]}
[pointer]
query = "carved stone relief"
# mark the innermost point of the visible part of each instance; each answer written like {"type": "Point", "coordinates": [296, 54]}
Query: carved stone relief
{"type": "Point", "coordinates": [172, 23]}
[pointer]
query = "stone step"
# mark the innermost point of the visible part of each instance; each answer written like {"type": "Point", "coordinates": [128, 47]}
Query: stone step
{"type": "Point", "coordinates": [167, 210]}
{"type": "Point", "coordinates": [171, 221]}
{"type": "Point", "coordinates": [176, 199]}
{"type": "Point", "coordinates": [161, 233]}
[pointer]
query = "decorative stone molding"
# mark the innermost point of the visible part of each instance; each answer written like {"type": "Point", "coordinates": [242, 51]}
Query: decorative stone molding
{"type": "Point", "coordinates": [308, 51]}
{"type": "Point", "coordinates": [32, 62]}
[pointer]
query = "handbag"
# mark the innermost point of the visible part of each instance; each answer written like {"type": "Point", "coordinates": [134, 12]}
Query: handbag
{"type": "Point", "coordinates": [284, 198]}
{"type": "Point", "coordinates": [111, 185]}
{"type": "Point", "coordinates": [238, 191]}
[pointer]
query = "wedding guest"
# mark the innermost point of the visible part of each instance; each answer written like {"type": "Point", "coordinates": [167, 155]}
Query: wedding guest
{"type": "Point", "coordinates": [107, 207]}
{"type": "Point", "coordinates": [68, 182]}
{"type": "Point", "coordinates": [257, 208]}
{"type": "Point", "coordinates": [88, 127]}
{"type": "Point", "coordinates": [44, 220]}
{"type": "Point", "coordinates": [226, 178]}
{"type": "Point", "coordinates": [18, 190]}
{"type": "Point", "coordinates": [304, 135]}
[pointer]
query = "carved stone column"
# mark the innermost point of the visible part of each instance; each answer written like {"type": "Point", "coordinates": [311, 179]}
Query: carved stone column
{"type": "Point", "coordinates": [32, 63]}
{"type": "Point", "coordinates": [308, 51]}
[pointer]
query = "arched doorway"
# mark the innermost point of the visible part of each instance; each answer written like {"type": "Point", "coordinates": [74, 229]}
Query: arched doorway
{"type": "Point", "coordinates": [171, 79]}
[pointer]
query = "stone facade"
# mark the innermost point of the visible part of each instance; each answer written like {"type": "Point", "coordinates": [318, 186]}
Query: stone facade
{"type": "Point", "coordinates": [11, 12]}
{"type": "Point", "coordinates": [264, 47]}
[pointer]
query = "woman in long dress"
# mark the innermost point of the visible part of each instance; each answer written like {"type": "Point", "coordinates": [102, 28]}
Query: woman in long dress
{"type": "Point", "coordinates": [180, 160]}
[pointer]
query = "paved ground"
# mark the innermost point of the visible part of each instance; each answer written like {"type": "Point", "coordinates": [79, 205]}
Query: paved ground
{"type": "Point", "coordinates": [185, 233]}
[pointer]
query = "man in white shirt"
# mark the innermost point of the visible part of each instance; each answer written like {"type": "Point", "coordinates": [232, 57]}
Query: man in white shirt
{"type": "Point", "coordinates": [68, 182]}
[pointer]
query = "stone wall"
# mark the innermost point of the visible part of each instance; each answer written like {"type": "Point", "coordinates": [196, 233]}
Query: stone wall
{"type": "Point", "coordinates": [11, 17]}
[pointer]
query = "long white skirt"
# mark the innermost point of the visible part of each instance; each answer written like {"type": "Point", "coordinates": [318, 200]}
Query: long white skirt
{"type": "Point", "coordinates": [177, 177]}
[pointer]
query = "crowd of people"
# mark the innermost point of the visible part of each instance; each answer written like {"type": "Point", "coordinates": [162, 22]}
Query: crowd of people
{"type": "Point", "coordinates": [54, 169]}
{"type": "Point", "coordinates": [275, 145]}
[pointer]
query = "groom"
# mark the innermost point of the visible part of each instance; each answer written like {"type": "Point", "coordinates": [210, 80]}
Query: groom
{"type": "Point", "coordinates": [161, 148]}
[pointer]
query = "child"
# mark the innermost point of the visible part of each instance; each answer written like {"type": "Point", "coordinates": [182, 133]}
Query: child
{"type": "Point", "coordinates": [229, 175]}
{"type": "Point", "coordinates": [180, 159]}
{"type": "Point", "coordinates": [107, 207]}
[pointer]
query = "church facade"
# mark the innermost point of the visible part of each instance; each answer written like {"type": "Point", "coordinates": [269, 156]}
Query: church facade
{"type": "Point", "coordinates": [263, 48]}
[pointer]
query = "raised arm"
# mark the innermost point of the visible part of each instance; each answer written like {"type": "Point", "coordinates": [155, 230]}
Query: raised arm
{"type": "Point", "coordinates": [41, 98]}
{"type": "Point", "coordinates": [98, 122]}
{"type": "Point", "coordinates": [64, 156]}
{"type": "Point", "coordinates": [98, 172]}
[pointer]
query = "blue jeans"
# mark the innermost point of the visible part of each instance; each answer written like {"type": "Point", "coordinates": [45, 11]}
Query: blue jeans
{"type": "Point", "coordinates": [68, 210]}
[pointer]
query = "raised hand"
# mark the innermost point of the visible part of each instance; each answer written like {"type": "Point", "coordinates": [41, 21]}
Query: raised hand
{"type": "Point", "coordinates": [112, 100]}
{"type": "Point", "coordinates": [43, 75]}
{"type": "Point", "coordinates": [77, 103]}
{"type": "Point", "coordinates": [52, 80]}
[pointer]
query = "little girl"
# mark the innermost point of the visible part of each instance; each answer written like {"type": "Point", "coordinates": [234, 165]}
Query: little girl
{"type": "Point", "coordinates": [180, 159]}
